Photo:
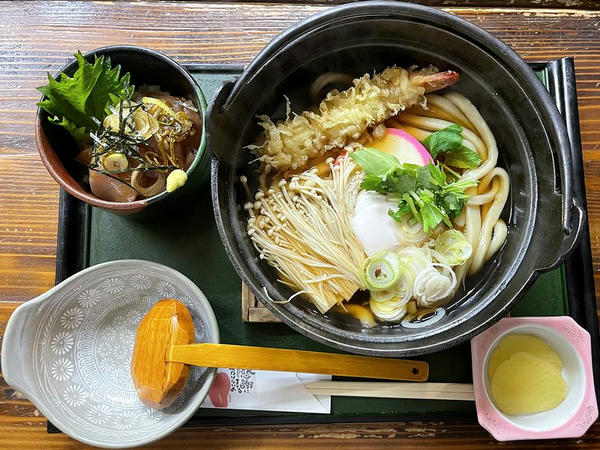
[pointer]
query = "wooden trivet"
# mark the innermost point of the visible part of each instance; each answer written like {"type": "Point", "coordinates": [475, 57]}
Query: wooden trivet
{"type": "Point", "coordinates": [253, 310]}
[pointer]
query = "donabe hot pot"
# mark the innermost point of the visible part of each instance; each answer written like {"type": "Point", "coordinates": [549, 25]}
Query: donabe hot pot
{"type": "Point", "coordinates": [542, 218]}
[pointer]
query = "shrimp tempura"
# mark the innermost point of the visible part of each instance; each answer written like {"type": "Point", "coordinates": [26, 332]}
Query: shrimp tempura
{"type": "Point", "coordinates": [344, 116]}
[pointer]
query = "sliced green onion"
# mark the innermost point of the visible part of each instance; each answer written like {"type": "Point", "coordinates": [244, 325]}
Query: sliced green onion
{"type": "Point", "coordinates": [401, 292]}
{"type": "Point", "coordinates": [434, 285]}
{"type": "Point", "coordinates": [380, 271]}
{"type": "Point", "coordinates": [415, 259]}
{"type": "Point", "coordinates": [390, 311]}
{"type": "Point", "coordinates": [384, 295]}
{"type": "Point", "coordinates": [454, 247]}
{"type": "Point", "coordinates": [404, 285]}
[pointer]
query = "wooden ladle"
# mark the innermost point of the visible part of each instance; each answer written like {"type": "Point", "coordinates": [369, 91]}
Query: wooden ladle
{"type": "Point", "coordinates": [164, 349]}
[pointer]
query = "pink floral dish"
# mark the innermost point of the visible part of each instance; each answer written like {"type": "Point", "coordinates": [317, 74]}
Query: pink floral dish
{"type": "Point", "coordinates": [574, 415]}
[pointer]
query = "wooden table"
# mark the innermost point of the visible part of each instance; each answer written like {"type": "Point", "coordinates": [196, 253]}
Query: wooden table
{"type": "Point", "coordinates": [38, 37]}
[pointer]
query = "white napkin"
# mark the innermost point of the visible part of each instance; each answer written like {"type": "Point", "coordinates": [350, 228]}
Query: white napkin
{"type": "Point", "coordinates": [262, 390]}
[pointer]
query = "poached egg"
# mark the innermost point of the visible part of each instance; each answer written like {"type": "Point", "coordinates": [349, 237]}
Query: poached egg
{"type": "Point", "coordinates": [372, 225]}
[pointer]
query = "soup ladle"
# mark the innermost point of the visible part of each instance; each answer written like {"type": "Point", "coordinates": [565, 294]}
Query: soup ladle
{"type": "Point", "coordinates": [164, 351]}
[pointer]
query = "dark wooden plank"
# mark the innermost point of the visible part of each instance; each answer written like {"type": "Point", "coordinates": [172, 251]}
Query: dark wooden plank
{"type": "Point", "coordinates": [40, 36]}
{"type": "Point", "coordinates": [554, 4]}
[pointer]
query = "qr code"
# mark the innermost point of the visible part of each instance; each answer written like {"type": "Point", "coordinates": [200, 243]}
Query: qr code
{"type": "Point", "coordinates": [242, 380]}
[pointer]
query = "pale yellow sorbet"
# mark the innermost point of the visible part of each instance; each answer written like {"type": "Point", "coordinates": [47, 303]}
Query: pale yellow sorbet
{"type": "Point", "coordinates": [514, 343]}
{"type": "Point", "coordinates": [525, 376]}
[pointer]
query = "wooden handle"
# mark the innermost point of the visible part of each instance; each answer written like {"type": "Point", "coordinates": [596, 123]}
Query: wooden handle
{"type": "Point", "coordinates": [434, 391]}
{"type": "Point", "coordinates": [259, 358]}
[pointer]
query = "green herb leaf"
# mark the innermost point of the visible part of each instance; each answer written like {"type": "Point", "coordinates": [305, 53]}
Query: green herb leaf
{"type": "Point", "coordinates": [78, 133]}
{"type": "Point", "coordinates": [374, 162]}
{"type": "Point", "coordinates": [75, 102]}
{"type": "Point", "coordinates": [463, 158]}
{"type": "Point", "coordinates": [460, 185]}
{"type": "Point", "coordinates": [372, 183]}
{"type": "Point", "coordinates": [449, 143]}
{"type": "Point", "coordinates": [403, 179]}
{"type": "Point", "coordinates": [431, 214]}
{"type": "Point", "coordinates": [109, 89]}
{"type": "Point", "coordinates": [436, 175]}
{"type": "Point", "coordinates": [443, 141]}
{"type": "Point", "coordinates": [421, 191]}
{"type": "Point", "coordinates": [453, 198]}
{"type": "Point", "coordinates": [405, 206]}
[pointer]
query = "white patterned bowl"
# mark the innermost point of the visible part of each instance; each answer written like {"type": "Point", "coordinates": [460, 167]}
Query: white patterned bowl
{"type": "Point", "coordinates": [69, 352]}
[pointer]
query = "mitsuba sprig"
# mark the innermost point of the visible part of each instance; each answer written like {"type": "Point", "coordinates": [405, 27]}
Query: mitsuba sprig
{"type": "Point", "coordinates": [421, 191]}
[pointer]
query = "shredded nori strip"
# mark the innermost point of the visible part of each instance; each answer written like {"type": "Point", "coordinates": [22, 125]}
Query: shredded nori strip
{"type": "Point", "coordinates": [106, 140]}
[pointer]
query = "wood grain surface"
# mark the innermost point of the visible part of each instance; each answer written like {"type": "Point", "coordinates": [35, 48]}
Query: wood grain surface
{"type": "Point", "coordinates": [38, 37]}
{"type": "Point", "coordinates": [547, 4]}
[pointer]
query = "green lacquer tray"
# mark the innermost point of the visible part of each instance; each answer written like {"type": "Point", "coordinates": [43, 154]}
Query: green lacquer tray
{"type": "Point", "coordinates": [189, 242]}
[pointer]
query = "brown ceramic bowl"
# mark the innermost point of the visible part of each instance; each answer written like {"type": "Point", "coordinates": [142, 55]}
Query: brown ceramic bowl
{"type": "Point", "coordinates": [58, 149]}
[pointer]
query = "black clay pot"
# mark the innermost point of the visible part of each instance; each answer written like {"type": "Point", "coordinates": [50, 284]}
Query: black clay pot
{"type": "Point", "coordinates": [357, 38]}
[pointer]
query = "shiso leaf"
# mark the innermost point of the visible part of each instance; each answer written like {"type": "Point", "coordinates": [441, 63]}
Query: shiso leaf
{"type": "Point", "coordinates": [74, 102]}
{"type": "Point", "coordinates": [79, 133]}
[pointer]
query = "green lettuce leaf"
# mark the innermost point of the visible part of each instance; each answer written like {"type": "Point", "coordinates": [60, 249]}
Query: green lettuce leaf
{"type": "Point", "coordinates": [73, 102]}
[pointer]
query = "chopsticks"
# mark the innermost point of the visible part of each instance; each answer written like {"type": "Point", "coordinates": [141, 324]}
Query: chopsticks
{"type": "Point", "coordinates": [431, 391]}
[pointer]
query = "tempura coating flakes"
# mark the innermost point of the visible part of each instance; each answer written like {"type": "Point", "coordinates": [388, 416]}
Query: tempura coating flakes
{"type": "Point", "coordinates": [342, 118]}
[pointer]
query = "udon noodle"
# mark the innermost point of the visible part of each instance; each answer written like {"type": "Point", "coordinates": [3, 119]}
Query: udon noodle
{"type": "Point", "coordinates": [480, 221]}
{"type": "Point", "coordinates": [308, 221]}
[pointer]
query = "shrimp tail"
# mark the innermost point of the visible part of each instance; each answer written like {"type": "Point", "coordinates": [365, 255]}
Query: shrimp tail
{"type": "Point", "coordinates": [436, 81]}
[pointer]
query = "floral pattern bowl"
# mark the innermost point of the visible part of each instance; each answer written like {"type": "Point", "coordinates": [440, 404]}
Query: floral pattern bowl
{"type": "Point", "coordinates": [69, 352]}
